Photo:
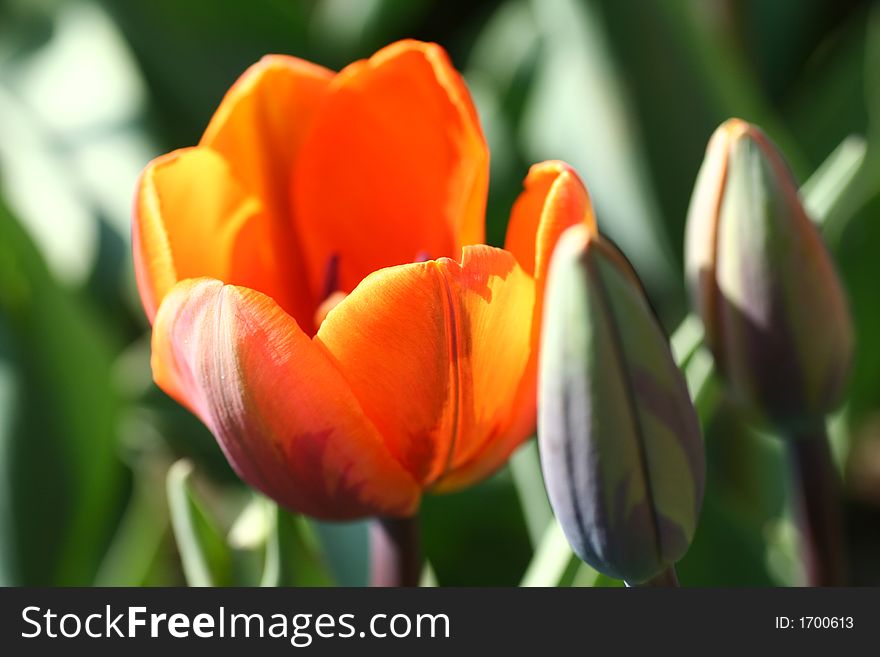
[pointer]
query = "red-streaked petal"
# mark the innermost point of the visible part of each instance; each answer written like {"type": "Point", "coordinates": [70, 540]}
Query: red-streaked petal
{"type": "Point", "coordinates": [554, 199]}
{"type": "Point", "coordinates": [496, 301]}
{"type": "Point", "coordinates": [279, 408]}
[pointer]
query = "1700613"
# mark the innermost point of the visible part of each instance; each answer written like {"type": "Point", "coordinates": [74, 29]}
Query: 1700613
{"type": "Point", "coordinates": [815, 622]}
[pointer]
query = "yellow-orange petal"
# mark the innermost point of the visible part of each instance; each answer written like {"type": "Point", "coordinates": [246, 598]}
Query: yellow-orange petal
{"type": "Point", "coordinates": [394, 165]}
{"type": "Point", "coordinates": [279, 408]}
{"type": "Point", "coordinates": [193, 218]}
{"type": "Point", "coordinates": [188, 211]}
{"type": "Point", "coordinates": [554, 199]}
{"type": "Point", "coordinates": [434, 351]}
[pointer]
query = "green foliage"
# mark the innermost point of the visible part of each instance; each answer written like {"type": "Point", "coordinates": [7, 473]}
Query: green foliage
{"type": "Point", "coordinates": [628, 91]}
{"type": "Point", "coordinates": [293, 553]}
{"type": "Point", "coordinates": [204, 553]}
{"type": "Point", "coordinates": [60, 475]}
{"type": "Point", "coordinates": [476, 537]}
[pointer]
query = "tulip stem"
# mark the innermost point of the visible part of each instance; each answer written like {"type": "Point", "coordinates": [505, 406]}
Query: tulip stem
{"type": "Point", "coordinates": [668, 579]}
{"type": "Point", "coordinates": [816, 493]}
{"type": "Point", "coordinates": [395, 552]}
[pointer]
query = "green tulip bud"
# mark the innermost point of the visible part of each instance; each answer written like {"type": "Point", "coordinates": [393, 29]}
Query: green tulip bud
{"type": "Point", "coordinates": [620, 443]}
{"type": "Point", "coordinates": [761, 278]}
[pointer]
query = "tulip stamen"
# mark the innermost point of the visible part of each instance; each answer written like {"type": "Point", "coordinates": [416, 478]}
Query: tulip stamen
{"type": "Point", "coordinates": [331, 276]}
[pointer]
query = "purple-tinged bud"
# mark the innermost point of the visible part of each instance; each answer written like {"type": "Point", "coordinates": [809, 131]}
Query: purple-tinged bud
{"type": "Point", "coordinates": [775, 313]}
{"type": "Point", "coordinates": [620, 443]}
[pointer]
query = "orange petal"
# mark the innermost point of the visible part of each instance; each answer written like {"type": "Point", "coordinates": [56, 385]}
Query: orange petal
{"type": "Point", "coordinates": [394, 165]}
{"type": "Point", "coordinates": [435, 351]}
{"type": "Point", "coordinates": [260, 125]}
{"type": "Point", "coordinates": [259, 129]}
{"type": "Point", "coordinates": [280, 410]}
{"type": "Point", "coordinates": [554, 198]}
{"type": "Point", "coordinates": [192, 218]}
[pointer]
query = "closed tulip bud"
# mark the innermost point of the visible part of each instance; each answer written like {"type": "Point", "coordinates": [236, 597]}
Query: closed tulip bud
{"type": "Point", "coordinates": [620, 443]}
{"type": "Point", "coordinates": [774, 311]}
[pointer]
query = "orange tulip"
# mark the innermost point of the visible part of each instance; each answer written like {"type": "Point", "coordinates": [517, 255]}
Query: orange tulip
{"type": "Point", "coordinates": [319, 291]}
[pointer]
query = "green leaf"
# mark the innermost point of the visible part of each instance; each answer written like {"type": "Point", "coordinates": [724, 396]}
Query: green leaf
{"type": "Point", "coordinates": [823, 102]}
{"type": "Point", "coordinates": [139, 535]}
{"type": "Point", "coordinates": [205, 46]}
{"type": "Point", "coordinates": [429, 577]}
{"type": "Point", "coordinates": [684, 78]}
{"type": "Point", "coordinates": [293, 553]}
{"type": "Point", "coordinates": [60, 475]}
{"type": "Point", "coordinates": [721, 72]}
{"type": "Point", "coordinates": [525, 469]}
{"type": "Point", "coordinates": [499, 74]}
{"type": "Point", "coordinates": [694, 359]}
{"type": "Point", "coordinates": [9, 400]}
{"type": "Point", "coordinates": [476, 537]}
{"type": "Point", "coordinates": [823, 191]}
{"type": "Point", "coordinates": [745, 494]}
{"type": "Point", "coordinates": [686, 339]}
{"type": "Point", "coordinates": [551, 560]}
{"type": "Point", "coordinates": [578, 110]}
{"type": "Point", "coordinates": [727, 550]}
{"type": "Point", "coordinates": [205, 556]}
{"type": "Point", "coordinates": [345, 546]}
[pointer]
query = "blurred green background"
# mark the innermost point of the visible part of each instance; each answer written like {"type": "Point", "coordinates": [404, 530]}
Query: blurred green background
{"type": "Point", "coordinates": [628, 91]}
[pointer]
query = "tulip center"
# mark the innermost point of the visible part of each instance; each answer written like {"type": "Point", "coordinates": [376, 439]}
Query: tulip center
{"type": "Point", "coordinates": [332, 295]}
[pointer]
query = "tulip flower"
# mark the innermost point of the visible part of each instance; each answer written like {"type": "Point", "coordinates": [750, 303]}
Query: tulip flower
{"type": "Point", "coordinates": [621, 448]}
{"type": "Point", "coordinates": [319, 290]}
{"type": "Point", "coordinates": [775, 315]}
